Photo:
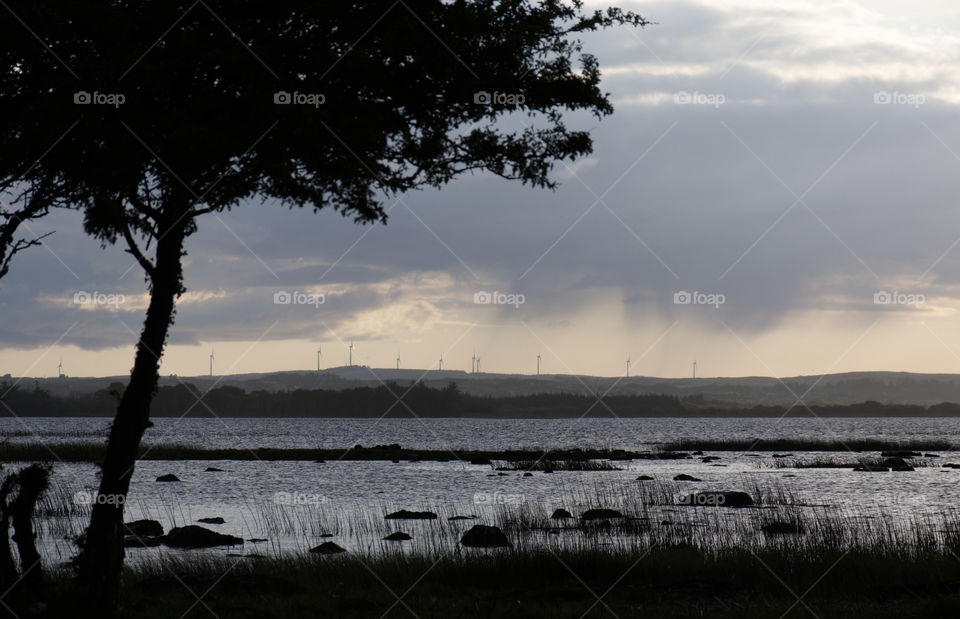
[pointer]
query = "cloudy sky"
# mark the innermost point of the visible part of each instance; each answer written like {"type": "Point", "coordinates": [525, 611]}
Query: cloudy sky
{"type": "Point", "coordinates": [776, 194]}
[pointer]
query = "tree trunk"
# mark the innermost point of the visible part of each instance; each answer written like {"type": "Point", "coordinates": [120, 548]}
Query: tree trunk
{"type": "Point", "coordinates": [101, 560]}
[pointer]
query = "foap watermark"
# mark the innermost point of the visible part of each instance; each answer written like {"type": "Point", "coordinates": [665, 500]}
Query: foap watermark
{"type": "Point", "coordinates": [696, 297]}
{"type": "Point", "coordinates": [498, 498]}
{"type": "Point", "coordinates": [298, 498]}
{"type": "Point", "coordinates": [82, 97]}
{"type": "Point", "coordinates": [82, 297]}
{"type": "Point", "coordinates": [886, 97]}
{"type": "Point", "coordinates": [482, 97]}
{"type": "Point", "coordinates": [713, 499]}
{"type": "Point", "coordinates": [499, 298]}
{"type": "Point", "coordinates": [282, 97]}
{"type": "Point", "coordinates": [282, 297]}
{"type": "Point", "coordinates": [885, 297]}
{"type": "Point", "coordinates": [714, 99]}
{"type": "Point", "coordinates": [92, 498]}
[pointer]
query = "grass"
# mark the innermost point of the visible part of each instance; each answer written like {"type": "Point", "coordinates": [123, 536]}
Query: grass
{"type": "Point", "coordinates": [785, 444]}
{"type": "Point", "coordinates": [673, 581]}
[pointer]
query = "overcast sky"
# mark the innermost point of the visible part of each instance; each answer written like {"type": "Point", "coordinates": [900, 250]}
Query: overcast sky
{"type": "Point", "coordinates": [788, 161]}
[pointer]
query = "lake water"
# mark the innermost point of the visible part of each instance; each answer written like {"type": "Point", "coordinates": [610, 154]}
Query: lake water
{"type": "Point", "coordinates": [490, 434]}
{"type": "Point", "coordinates": [292, 504]}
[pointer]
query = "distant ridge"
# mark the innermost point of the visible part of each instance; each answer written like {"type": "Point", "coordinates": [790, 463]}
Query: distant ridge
{"type": "Point", "coordinates": [844, 388]}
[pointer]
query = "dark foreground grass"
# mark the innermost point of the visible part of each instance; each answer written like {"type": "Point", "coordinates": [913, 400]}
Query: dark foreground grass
{"type": "Point", "coordinates": [677, 582]}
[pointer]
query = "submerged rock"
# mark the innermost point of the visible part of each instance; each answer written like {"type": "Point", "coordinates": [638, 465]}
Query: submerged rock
{"type": "Point", "coordinates": [685, 477]}
{"type": "Point", "coordinates": [328, 548]}
{"type": "Point", "coordinates": [398, 536]}
{"type": "Point", "coordinates": [214, 520]}
{"type": "Point", "coordinates": [600, 513]}
{"type": "Point", "coordinates": [192, 536]}
{"type": "Point", "coordinates": [561, 513]}
{"type": "Point", "coordinates": [483, 536]}
{"type": "Point", "coordinates": [168, 477]}
{"type": "Point", "coordinates": [404, 514]}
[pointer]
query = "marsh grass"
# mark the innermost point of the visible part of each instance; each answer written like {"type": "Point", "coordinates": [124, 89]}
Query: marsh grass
{"type": "Point", "coordinates": [787, 444]}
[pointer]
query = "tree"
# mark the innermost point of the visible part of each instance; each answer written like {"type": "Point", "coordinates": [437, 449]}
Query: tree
{"type": "Point", "coordinates": [147, 115]}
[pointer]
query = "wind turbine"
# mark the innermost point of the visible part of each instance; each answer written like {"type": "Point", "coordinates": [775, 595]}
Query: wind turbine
{"type": "Point", "coordinates": [628, 366]}
{"type": "Point", "coordinates": [440, 363]}
{"type": "Point", "coordinates": [211, 362]}
{"type": "Point", "coordinates": [319, 356]}
{"type": "Point", "coordinates": [694, 368]}
{"type": "Point", "coordinates": [473, 363]}
{"type": "Point", "coordinates": [60, 369]}
{"type": "Point", "coordinates": [538, 364]}
{"type": "Point", "coordinates": [478, 365]}
{"type": "Point", "coordinates": [351, 354]}
{"type": "Point", "coordinates": [398, 360]}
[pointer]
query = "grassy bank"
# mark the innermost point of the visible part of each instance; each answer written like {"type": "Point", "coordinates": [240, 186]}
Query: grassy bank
{"type": "Point", "coordinates": [668, 582]}
{"type": "Point", "coordinates": [791, 444]}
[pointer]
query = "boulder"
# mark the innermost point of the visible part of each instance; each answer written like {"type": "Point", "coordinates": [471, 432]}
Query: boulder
{"type": "Point", "coordinates": [483, 536]}
{"type": "Point", "coordinates": [212, 469]}
{"type": "Point", "coordinates": [901, 453]}
{"type": "Point", "coordinates": [644, 478]}
{"type": "Point", "coordinates": [328, 548]}
{"type": "Point", "coordinates": [398, 536]}
{"type": "Point", "coordinates": [951, 465]}
{"type": "Point", "coordinates": [192, 536]}
{"type": "Point", "coordinates": [408, 515]}
{"type": "Point", "coordinates": [168, 477]}
{"type": "Point", "coordinates": [560, 514]}
{"type": "Point", "coordinates": [729, 498]}
{"type": "Point", "coordinates": [214, 520]}
{"type": "Point", "coordinates": [528, 474]}
{"type": "Point", "coordinates": [897, 464]}
{"type": "Point", "coordinates": [600, 513]}
{"type": "Point", "coordinates": [685, 477]}
{"type": "Point", "coordinates": [143, 528]}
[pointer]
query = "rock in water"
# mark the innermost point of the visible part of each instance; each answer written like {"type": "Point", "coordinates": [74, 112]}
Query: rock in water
{"type": "Point", "coordinates": [483, 536]}
{"type": "Point", "coordinates": [143, 528]}
{"type": "Point", "coordinates": [559, 514]}
{"type": "Point", "coordinates": [685, 477]}
{"type": "Point", "coordinates": [398, 536]}
{"type": "Point", "coordinates": [192, 536]}
{"type": "Point", "coordinates": [214, 520]}
{"type": "Point", "coordinates": [168, 477]}
{"type": "Point", "coordinates": [212, 469]}
{"type": "Point", "coordinates": [599, 513]}
{"type": "Point", "coordinates": [408, 515]}
{"type": "Point", "coordinates": [327, 548]}
{"type": "Point", "coordinates": [644, 478]}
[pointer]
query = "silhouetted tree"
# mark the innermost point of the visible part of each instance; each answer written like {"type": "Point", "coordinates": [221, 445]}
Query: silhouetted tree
{"type": "Point", "coordinates": [147, 115]}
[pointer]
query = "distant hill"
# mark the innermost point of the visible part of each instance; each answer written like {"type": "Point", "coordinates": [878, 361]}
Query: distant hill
{"type": "Point", "coordinates": [831, 389]}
